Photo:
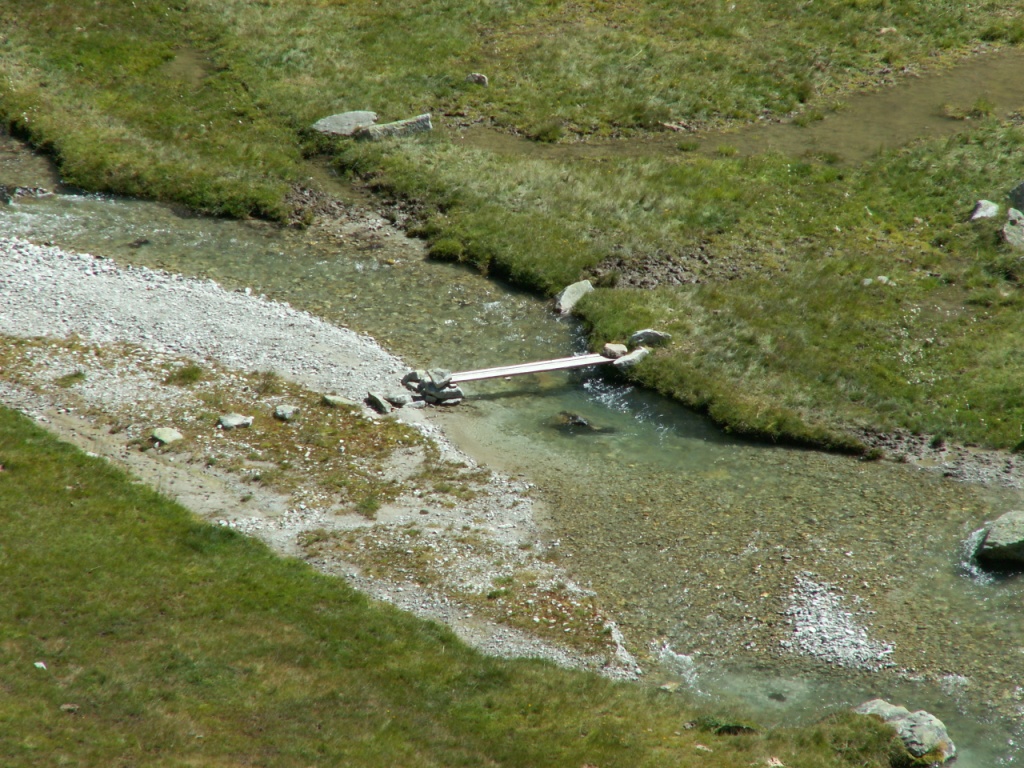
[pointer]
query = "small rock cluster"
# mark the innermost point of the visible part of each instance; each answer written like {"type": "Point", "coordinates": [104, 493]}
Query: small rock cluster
{"type": "Point", "coordinates": [434, 386]}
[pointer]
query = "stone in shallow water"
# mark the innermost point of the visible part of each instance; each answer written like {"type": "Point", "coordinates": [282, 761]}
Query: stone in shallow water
{"type": "Point", "coordinates": [1003, 544]}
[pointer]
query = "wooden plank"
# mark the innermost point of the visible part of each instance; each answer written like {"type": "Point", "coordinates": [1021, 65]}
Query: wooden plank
{"type": "Point", "coordinates": [542, 366]}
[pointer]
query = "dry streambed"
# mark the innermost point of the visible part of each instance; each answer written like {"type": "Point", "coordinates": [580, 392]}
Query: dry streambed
{"type": "Point", "coordinates": [104, 355]}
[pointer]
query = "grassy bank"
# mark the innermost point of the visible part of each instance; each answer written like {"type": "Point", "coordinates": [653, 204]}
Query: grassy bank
{"type": "Point", "coordinates": [207, 104]}
{"type": "Point", "coordinates": [132, 632]}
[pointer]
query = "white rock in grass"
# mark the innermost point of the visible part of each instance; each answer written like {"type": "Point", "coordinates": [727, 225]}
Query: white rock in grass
{"type": "Point", "coordinates": [166, 435]}
{"type": "Point", "coordinates": [233, 420]}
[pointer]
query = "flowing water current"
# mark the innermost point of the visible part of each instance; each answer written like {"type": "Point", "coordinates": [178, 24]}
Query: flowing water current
{"type": "Point", "coordinates": [700, 544]}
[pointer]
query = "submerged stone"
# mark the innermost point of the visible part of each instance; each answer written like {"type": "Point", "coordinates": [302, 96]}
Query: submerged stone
{"type": "Point", "coordinates": [572, 423]}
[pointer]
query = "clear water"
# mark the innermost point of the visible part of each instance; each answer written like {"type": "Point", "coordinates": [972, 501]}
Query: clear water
{"type": "Point", "coordinates": [693, 539]}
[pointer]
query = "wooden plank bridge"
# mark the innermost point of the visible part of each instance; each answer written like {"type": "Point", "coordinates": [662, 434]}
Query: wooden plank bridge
{"type": "Point", "coordinates": [542, 366]}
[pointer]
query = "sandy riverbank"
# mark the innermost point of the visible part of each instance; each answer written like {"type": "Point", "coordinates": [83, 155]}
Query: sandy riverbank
{"type": "Point", "coordinates": [118, 331]}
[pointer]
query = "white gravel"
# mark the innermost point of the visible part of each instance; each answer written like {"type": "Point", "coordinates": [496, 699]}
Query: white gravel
{"type": "Point", "coordinates": [45, 291]}
{"type": "Point", "coordinates": [825, 629]}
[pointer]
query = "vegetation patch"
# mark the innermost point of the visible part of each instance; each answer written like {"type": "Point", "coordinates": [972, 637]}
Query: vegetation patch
{"type": "Point", "coordinates": [209, 104]}
{"type": "Point", "coordinates": [132, 630]}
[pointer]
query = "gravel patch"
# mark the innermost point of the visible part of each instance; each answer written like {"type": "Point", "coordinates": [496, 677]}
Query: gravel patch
{"type": "Point", "coordinates": [825, 629]}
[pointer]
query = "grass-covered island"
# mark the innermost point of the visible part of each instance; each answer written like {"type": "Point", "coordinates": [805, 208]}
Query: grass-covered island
{"type": "Point", "coordinates": [161, 640]}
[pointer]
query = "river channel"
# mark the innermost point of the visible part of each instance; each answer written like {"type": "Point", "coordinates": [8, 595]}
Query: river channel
{"type": "Point", "coordinates": [692, 539]}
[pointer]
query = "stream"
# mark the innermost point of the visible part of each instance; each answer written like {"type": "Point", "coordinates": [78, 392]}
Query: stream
{"type": "Point", "coordinates": [695, 541]}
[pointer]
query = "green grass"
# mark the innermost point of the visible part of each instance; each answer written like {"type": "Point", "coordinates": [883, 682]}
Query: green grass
{"type": "Point", "coordinates": [168, 641]}
{"type": "Point", "coordinates": [185, 376]}
{"type": "Point", "coordinates": [208, 104]}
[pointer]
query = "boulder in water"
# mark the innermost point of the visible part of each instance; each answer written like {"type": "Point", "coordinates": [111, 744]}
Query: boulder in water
{"type": "Point", "coordinates": [1003, 545]}
{"type": "Point", "coordinates": [923, 734]}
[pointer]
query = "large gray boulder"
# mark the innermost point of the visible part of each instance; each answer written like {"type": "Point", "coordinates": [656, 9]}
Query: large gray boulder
{"type": "Point", "coordinates": [418, 124]}
{"type": "Point", "coordinates": [570, 295]}
{"type": "Point", "coordinates": [1003, 545]}
{"type": "Point", "coordinates": [922, 733]}
{"type": "Point", "coordinates": [1013, 230]}
{"type": "Point", "coordinates": [345, 123]}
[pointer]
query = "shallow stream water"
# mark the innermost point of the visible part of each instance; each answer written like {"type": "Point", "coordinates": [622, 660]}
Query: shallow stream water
{"type": "Point", "coordinates": [694, 541]}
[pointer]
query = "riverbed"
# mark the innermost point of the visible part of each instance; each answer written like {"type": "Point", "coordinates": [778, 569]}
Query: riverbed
{"type": "Point", "coordinates": [705, 549]}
